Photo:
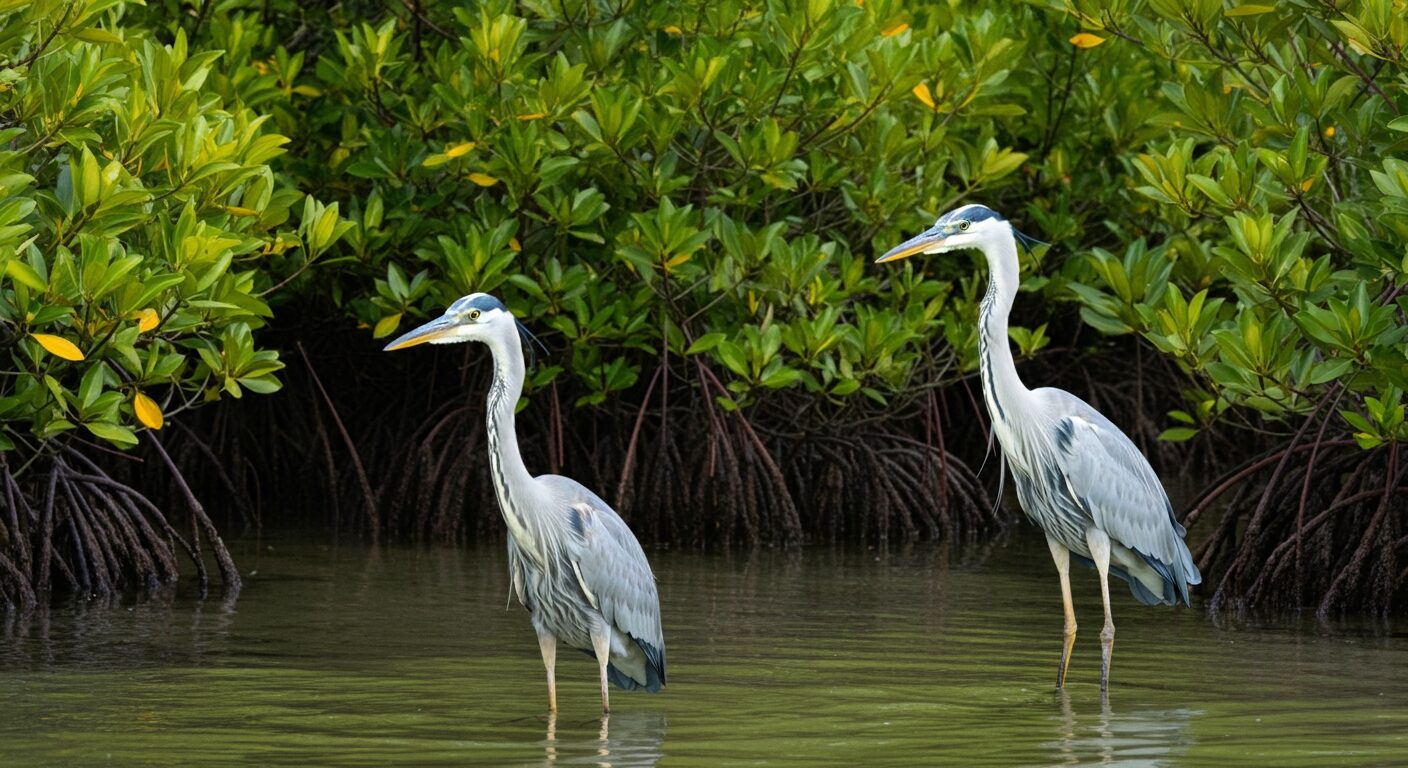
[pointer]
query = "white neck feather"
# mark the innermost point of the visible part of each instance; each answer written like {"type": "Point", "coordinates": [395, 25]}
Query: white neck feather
{"type": "Point", "coordinates": [516, 489]}
{"type": "Point", "coordinates": [1004, 392]}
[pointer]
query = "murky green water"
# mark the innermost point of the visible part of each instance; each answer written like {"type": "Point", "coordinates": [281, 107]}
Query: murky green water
{"type": "Point", "coordinates": [342, 656]}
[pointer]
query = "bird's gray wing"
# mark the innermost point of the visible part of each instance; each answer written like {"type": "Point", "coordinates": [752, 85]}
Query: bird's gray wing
{"type": "Point", "coordinates": [1112, 480]}
{"type": "Point", "coordinates": [612, 569]}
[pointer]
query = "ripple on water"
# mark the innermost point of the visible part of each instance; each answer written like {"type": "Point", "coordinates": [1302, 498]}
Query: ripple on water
{"type": "Point", "coordinates": [347, 656]}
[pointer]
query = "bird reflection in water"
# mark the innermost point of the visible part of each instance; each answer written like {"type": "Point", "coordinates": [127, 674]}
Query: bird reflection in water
{"type": "Point", "coordinates": [1143, 738]}
{"type": "Point", "coordinates": [617, 740]}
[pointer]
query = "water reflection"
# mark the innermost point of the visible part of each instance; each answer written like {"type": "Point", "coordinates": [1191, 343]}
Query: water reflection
{"type": "Point", "coordinates": [913, 655]}
{"type": "Point", "coordinates": [134, 628]}
{"type": "Point", "coordinates": [1138, 738]}
{"type": "Point", "coordinates": [623, 739]}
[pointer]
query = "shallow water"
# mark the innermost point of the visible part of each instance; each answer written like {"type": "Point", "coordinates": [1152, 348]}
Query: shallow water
{"type": "Point", "coordinates": [348, 656]}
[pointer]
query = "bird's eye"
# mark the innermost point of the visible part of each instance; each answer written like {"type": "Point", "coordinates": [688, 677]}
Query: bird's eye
{"type": "Point", "coordinates": [963, 225]}
{"type": "Point", "coordinates": [473, 314]}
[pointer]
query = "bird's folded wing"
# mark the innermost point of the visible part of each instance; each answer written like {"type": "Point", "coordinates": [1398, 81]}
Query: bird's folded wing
{"type": "Point", "coordinates": [613, 571]}
{"type": "Point", "coordinates": [1113, 481]}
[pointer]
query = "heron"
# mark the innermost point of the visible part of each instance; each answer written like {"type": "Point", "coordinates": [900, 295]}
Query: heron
{"type": "Point", "coordinates": [572, 561]}
{"type": "Point", "coordinates": [1078, 477]}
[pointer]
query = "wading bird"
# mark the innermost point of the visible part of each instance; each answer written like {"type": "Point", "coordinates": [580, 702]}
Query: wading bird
{"type": "Point", "coordinates": [573, 562]}
{"type": "Point", "coordinates": [1078, 476]}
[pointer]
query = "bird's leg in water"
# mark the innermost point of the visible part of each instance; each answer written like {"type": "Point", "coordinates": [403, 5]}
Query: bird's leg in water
{"type": "Point", "coordinates": [601, 643]}
{"type": "Point", "coordinates": [1062, 556]}
{"type": "Point", "coordinates": [547, 643]}
{"type": "Point", "coordinates": [1100, 552]}
{"type": "Point", "coordinates": [550, 743]}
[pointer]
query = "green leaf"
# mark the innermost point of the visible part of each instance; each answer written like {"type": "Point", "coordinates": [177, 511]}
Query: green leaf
{"type": "Point", "coordinates": [262, 385]}
{"type": "Point", "coordinates": [732, 356]}
{"type": "Point", "coordinates": [113, 433]}
{"type": "Point", "coordinates": [705, 343]}
{"type": "Point", "coordinates": [24, 274]}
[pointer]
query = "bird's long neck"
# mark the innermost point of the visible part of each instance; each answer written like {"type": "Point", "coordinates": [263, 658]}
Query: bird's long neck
{"type": "Point", "coordinates": [513, 485]}
{"type": "Point", "coordinates": [1005, 394]}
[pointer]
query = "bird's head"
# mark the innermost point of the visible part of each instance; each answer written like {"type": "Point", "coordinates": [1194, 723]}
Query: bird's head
{"type": "Point", "coordinates": [970, 226]}
{"type": "Point", "coordinates": [476, 317]}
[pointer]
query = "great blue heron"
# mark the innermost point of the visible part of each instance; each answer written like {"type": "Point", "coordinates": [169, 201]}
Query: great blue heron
{"type": "Point", "coordinates": [1078, 476]}
{"type": "Point", "coordinates": [573, 562]}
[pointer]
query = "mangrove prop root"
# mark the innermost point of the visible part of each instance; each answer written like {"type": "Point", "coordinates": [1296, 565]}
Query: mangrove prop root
{"type": "Point", "coordinates": [1325, 540]}
{"type": "Point", "coordinates": [70, 525]}
{"type": "Point", "coordinates": [229, 574]}
{"type": "Point", "coordinates": [370, 498]}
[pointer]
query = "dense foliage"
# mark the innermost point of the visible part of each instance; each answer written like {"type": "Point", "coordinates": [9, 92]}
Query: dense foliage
{"type": "Point", "coordinates": [687, 194]}
{"type": "Point", "coordinates": [1270, 264]}
{"type": "Point", "coordinates": [1274, 265]}
{"type": "Point", "coordinates": [136, 209]}
{"type": "Point", "coordinates": [670, 181]}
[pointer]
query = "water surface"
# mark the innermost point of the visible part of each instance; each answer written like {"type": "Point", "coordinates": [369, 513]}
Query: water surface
{"type": "Point", "coordinates": [347, 656]}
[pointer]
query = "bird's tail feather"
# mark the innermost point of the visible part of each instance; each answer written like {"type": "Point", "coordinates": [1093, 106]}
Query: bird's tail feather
{"type": "Point", "coordinates": [650, 662]}
{"type": "Point", "coordinates": [621, 680]}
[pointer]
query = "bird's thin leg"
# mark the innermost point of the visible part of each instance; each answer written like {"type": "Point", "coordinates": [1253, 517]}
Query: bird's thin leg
{"type": "Point", "coordinates": [550, 743]}
{"type": "Point", "coordinates": [601, 643]}
{"type": "Point", "coordinates": [1062, 556]}
{"type": "Point", "coordinates": [547, 643]}
{"type": "Point", "coordinates": [1100, 552]}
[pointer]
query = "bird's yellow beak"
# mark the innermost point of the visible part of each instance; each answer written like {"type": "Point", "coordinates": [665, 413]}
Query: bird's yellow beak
{"type": "Point", "coordinates": [435, 329]}
{"type": "Point", "coordinates": [920, 243]}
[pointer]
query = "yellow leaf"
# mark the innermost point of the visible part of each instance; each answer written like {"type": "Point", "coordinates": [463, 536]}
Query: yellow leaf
{"type": "Point", "coordinates": [148, 412]}
{"type": "Point", "coordinates": [921, 92]}
{"type": "Point", "coordinates": [675, 261]}
{"type": "Point", "coordinates": [1248, 10]}
{"type": "Point", "coordinates": [895, 30]}
{"type": "Point", "coordinates": [514, 245]}
{"type": "Point", "coordinates": [386, 325]}
{"type": "Point", "coordinates": [58, 346]}
{"type": "Point", "coordinates": [483, 179]}
{"type": "Point", "coordinates": [459, 150]}
{"type": "Point", "coordinates": [1086, 40]}
{"type": "Point", "coordinates": [533, 116]}
{"type": "Point", "coordinates": [147, 320]}
{"type": "Point", "coordinates": [1307, 184]}
{"type": "Point", "coordinates": [674, 30]}
{"type": "Point", "coordinates": [238, 211]}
